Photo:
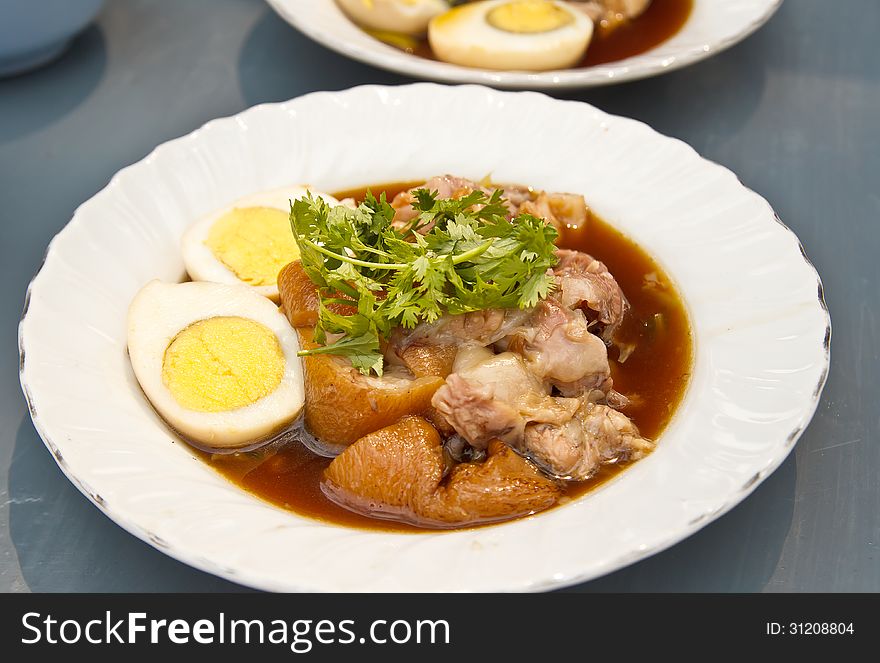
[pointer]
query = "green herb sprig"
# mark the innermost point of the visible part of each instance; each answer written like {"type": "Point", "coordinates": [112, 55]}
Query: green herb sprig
{"type": "Point", "coordinates": [456, 256]}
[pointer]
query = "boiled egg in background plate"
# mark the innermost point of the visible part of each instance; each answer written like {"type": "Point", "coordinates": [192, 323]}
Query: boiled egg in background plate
{"type": "Point", "coordinates": [530, 35]}
{"type": "Point", "coordinates": [409, 17]}
{"type": "Point", "coordinates": [218, 362]}
{"type": "Point", "coordinates": [246, 243]}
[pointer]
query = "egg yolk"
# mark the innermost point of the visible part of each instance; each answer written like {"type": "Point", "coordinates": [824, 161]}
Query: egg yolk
{"type": "Point", "coordinates": [255, 243]}
{"type": "Point", "coordinates": [222, 363]}
{"type": "Point", "coordinates": [528, 16]}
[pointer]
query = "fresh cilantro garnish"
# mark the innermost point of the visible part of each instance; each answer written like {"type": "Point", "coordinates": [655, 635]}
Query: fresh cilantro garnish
{"type": "Point", "coordinates": [456, 256]}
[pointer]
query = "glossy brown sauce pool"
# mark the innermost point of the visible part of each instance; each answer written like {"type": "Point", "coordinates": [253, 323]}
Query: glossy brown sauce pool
{"type": "Point", "coordinates": [661, 20]}
{"type": "Point", "coordinates": [654, 377]}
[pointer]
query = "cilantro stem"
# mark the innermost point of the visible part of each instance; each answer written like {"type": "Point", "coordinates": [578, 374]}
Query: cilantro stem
{"type": "Point", "coordinates": [320, 350]}
{"type": "Point", "coordinates": [457, 260]}
{"type": "Point", "coordinates": [473, 253]}
{"type": "Point", "coordinates": [353, 261]}
{"type": "Point", "coordinates": [345, 289]}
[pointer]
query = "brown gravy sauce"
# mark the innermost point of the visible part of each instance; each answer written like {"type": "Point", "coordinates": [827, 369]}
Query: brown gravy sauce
{"type": "Point", "coordinates": [661, 20]}
{"type": "Point", "coordinates": [654, 377]}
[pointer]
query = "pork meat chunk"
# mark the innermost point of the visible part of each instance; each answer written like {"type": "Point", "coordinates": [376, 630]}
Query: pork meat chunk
{"type": "Point", "coordinates": [446, 186]}
{"type": "Point", "coordinates": [560, 349]}
{"type": "Point", "coordinates": [597, 435]}
{"type": "Point", "coordinates": [494, 396]}
{"type": "Point", "coordinates": [585, 283]}
{"type": "Point", "coordinates": [558, 209]}
{"type": "Point", "coordinates": [611, 14]}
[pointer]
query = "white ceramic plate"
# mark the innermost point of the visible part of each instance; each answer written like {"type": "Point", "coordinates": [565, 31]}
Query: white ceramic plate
{"type": "Point", "coordinates": [713, 26]}
{"type": "Point", "coordinates": [761, 334]}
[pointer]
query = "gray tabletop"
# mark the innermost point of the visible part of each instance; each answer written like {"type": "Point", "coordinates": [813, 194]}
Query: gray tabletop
{"type": "Point", "coordinates": [793, 110]}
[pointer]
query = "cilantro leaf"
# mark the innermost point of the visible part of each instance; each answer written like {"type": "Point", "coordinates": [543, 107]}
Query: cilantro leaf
{"type": "Point", "coordinates": [456, 256]}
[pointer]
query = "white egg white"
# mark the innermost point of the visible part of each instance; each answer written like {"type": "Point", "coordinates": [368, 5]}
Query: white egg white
{"type": "Point", "coordinates": [409, 17]}
{"type": "Point", "coordinates": [464, 36]}
{"type": "Point", "coordinates": [201, 263]}
{"type": "Point", "coordinates": [162, 310]}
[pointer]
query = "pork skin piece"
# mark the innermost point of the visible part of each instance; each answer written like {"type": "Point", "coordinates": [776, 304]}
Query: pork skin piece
{"type": "Point", "coordinates": [399, 473]}
{"type": "Point", "coordinates": [426, 360]}
{"type": "Point", "coordinates": [333, 386]}
{"type": "Point", "coordinates": [342, 404]}
{"type": "Point", "coordinates": [300, 298]}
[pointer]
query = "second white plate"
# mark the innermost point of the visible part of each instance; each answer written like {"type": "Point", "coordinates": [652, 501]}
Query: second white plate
{"type": "Point", "coordinates": [713, 26]}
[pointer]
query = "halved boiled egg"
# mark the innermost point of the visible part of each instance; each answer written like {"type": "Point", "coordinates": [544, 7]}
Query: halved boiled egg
{"type": "Point", "coordinates": [408, 17]}
{"type": "Point", "coordinates": [531, 35]}
{"type": "Point", "coordinates": [249, 242]}
{"type": "Point", "coordinates": [218, 362]}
